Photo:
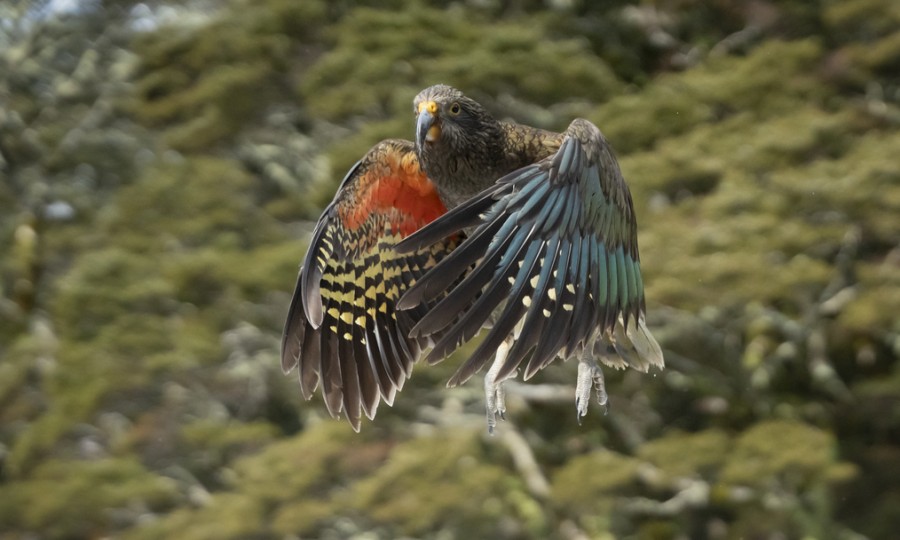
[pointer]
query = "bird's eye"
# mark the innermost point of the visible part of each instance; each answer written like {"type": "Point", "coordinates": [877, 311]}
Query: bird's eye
{"type": "Point", "coordinates": [454, 109]}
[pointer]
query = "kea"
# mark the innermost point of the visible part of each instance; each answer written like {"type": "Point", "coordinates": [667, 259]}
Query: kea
{"type": "Point", "coordinates": [478, 224]}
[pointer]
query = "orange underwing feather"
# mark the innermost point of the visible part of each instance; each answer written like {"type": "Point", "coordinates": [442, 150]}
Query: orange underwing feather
{"type": "Point", "coordinates": [343, 328]}
{"type": "Point", "coordinates": [395, 182]}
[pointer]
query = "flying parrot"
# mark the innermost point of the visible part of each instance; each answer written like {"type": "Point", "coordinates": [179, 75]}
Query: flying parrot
{"type": "Point", "coordinates": [478, 224]}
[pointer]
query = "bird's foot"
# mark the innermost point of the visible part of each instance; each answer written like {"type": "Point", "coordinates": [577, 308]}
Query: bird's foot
{"type": "Point", "coordinates": [495, 401]}
{"type": "Point", "coordinates": [589, 376]}
{"type": "Point", "coordinates": [494, 395]}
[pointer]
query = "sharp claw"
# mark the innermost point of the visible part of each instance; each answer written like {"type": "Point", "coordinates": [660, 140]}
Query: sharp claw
{"type": "Point", "coordinates": [495, 404]}
{"type": "Point", "coordinates": [600, 385]}
{"type": "Point", "coordinates": [589, 376]}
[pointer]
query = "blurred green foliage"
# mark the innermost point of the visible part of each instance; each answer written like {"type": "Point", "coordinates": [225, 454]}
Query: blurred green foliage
{"type": "Point", "coordinates": [83, 492]}
{"type": "Point", "coordinates": [160, 165]}
{"type": "Point", "coordinates": [420, 44]}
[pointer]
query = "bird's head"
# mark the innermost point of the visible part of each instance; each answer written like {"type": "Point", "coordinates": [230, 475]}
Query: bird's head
{"type": "Point", "coordinates": [448, 120]}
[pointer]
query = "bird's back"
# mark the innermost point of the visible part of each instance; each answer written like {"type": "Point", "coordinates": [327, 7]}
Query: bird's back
{"type": "Point", "coordinates": [526, 145]}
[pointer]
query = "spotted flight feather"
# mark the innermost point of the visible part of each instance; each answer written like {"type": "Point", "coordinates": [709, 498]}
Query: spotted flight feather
{"type": "Point", "coordinates": [343, 329]}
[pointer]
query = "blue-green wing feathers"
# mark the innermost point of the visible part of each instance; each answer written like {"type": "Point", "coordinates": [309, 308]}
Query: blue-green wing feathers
{"type": "Point", "coordinates": [552, 261]}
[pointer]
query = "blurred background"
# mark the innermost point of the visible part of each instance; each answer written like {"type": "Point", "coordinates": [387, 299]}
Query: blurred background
{"type": "Point", "coordinates": [163, 163]}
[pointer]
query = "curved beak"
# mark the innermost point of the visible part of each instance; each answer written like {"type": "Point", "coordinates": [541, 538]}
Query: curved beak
{"type": "Point", "coordinates": [428, 128]}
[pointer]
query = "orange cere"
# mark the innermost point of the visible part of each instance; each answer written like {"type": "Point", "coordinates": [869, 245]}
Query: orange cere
{"type": "Point", "coordinates": [395, 187]}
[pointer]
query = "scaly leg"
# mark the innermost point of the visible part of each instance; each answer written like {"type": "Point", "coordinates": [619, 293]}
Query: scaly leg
{"type": "Point", "coordinates": [589, 376]}
{"type": "Point", "coordinates": [495, 399]}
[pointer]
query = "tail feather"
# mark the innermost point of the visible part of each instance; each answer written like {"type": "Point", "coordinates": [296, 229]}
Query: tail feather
{"type": "Point", "coordinates": [645, 344]}
{"type": "Point", "coordinates": [633, 347]}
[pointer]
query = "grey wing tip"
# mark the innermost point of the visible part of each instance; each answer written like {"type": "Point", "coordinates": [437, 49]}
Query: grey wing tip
{"type": "Point", "coordinates": [309, 290]}
{"type": "Point", "coordinates": [409, 299]}
{"type": "Point", "coordinates": [288, 362]}
{"type": "Point", "coordinates": [312, 308]}
{"type": "Point", "coordinates": [645, 344]}
{"type": "Point", "coordinates": [291, 338]}
{"type": "Point", "coordinates": [456, 380]}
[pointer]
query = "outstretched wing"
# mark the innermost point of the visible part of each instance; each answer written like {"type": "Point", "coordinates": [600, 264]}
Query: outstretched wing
{"type": "Point", "coordinates": [555, 259]}
{"type": "Point", "coordinates": [342, 328]}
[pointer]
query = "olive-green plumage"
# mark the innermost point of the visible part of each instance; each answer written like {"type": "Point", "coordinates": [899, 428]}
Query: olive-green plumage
{"type": "Point", "coordinates": [474, 149]}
